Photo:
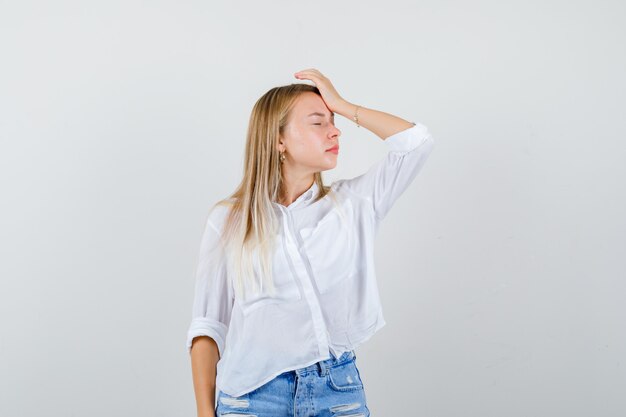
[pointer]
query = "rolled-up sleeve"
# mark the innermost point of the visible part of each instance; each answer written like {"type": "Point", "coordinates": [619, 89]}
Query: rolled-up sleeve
{"type": "Point", "coordinates": [213, 297]}
{"type": "Point", "coordinates": [386, 180]}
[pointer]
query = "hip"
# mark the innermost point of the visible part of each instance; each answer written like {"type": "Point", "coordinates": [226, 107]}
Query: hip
{"type": "Point", "coordinates": [326, 388]}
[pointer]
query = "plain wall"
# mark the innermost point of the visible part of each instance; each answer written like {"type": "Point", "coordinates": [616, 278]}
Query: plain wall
{"type": "Point", "coordinates": [501, 269]}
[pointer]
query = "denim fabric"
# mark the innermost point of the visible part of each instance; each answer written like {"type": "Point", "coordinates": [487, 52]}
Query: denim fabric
{"type": "Point", "coordinates": [329, 388]}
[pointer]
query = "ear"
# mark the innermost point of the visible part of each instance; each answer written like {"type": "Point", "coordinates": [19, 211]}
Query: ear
{"type": "Point", "coordinates": [281, 144]}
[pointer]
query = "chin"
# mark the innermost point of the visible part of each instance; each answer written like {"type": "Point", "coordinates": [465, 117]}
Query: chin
{"type": "Point", "coordinates": [327, 167]}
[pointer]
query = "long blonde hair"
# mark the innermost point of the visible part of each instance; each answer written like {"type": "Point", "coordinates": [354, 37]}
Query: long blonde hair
{"type": "Point", "coordinates": [251, 225]}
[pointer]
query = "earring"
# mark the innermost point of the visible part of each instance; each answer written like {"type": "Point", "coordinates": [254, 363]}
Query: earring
{"type": "Point", "coordinates": [282, 157]}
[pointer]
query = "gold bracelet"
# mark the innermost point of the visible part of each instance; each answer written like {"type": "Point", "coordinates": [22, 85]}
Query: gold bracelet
{"type": "Point", "coordinates": [356, 116]}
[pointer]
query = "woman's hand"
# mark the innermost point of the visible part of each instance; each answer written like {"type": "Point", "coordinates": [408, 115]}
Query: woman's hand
{"type": "Point", "coordinates": [380, 123]}
{"type": "Point", "coordinates": [330, 96]}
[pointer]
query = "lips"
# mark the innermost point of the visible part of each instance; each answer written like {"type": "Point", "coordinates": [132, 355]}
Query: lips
{"type": "Point", "coordinates": [333, 149]}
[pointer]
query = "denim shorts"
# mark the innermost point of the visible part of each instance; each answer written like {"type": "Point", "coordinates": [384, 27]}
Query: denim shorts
{"type": "Point", "coordinates": [328, 388]}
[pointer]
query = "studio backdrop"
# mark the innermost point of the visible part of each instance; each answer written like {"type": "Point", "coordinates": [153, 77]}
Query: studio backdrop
{"type": "Point", "coordinates": [501, 268]}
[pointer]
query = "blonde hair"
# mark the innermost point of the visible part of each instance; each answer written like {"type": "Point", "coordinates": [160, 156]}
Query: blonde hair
{"type": "Point", "coordinates": [251, 225]}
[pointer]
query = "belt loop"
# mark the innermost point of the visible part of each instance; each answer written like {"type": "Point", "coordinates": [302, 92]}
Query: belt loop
{"type": "Point", "coordinates": [322, 366]}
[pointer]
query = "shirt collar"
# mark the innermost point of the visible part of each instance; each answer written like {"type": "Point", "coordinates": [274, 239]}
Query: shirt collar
{"type": "Point", "coordinates": [305, 198]}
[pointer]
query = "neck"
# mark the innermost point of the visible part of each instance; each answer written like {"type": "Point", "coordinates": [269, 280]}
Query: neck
{"type": "Point", "coordinates": [291, 190]}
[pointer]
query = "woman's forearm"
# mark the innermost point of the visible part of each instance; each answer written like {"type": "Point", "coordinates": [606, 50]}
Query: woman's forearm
{"type": "Point", "coordinates": [204, 357]}
{"type": "Point", "coordinates": [380, 123]}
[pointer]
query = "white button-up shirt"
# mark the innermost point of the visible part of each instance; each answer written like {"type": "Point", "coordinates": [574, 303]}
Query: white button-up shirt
{"type": "Point", "coordinates": [327, 296]}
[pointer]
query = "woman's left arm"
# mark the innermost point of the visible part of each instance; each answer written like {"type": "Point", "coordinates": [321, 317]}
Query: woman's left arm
{"type": "Point", "coordinates": [408, 144]}
{"type": "Point", "coordinates": [380, 123]}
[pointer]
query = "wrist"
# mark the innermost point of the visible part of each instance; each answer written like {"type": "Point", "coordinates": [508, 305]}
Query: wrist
{"type": "Point", "coordinates": [346, 109]}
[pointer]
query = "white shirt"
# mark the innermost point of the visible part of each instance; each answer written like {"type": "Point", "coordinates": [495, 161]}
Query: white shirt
{"type": "Point", "coordinates": [327, 295]}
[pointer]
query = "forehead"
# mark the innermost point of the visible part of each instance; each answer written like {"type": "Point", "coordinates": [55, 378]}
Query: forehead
{"type": "Point", "coordinates": [308, 103]}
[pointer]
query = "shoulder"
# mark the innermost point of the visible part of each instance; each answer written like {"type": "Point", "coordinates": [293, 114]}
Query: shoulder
{"type": "Point", "coordinates": [344, 190]}
{"type": "Point", "coordinates": [218, 214]}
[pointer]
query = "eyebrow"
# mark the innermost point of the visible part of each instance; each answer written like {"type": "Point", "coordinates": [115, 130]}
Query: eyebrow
{"type": "Point", "coordinates": [320, 114]}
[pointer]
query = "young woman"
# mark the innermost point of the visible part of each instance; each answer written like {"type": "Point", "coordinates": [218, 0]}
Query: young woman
{"type": "Point", "coordinates": [285, 284]}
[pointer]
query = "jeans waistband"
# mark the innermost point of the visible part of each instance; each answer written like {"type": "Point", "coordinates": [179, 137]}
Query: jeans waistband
{"type": "Point", "coordinates": [322, 366]}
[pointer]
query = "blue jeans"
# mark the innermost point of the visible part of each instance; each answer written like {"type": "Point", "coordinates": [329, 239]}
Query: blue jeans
{"type": "Point", "coordinates": [329, 388]}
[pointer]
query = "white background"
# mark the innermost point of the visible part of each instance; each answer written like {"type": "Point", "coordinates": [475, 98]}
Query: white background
{"type": "Point", "coordinates": [502, 267]}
